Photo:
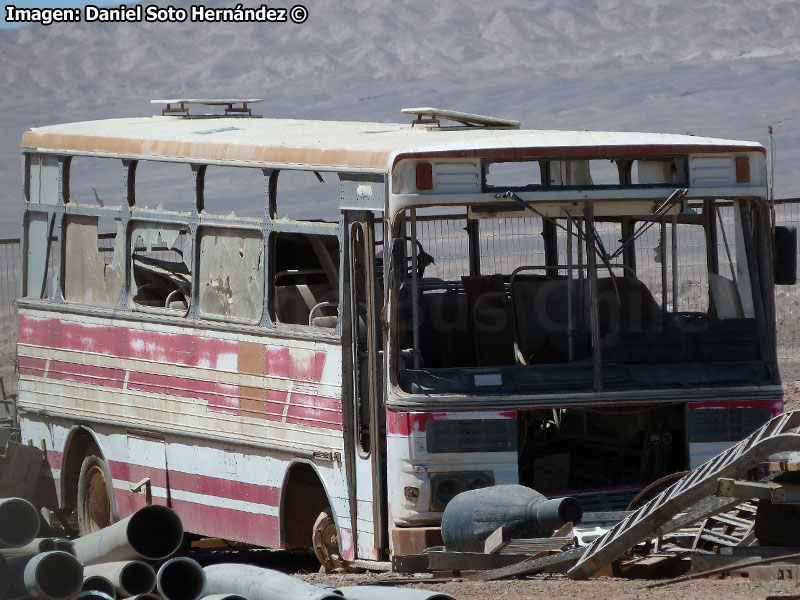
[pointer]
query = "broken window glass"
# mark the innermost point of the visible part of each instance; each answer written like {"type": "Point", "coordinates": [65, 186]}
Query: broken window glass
{"type": "Point", "coordinates": [231, 272]}
{"type": "Point", "coordinates": [93, 254]}
{"type": "Point", "coordinates": [161, 266]}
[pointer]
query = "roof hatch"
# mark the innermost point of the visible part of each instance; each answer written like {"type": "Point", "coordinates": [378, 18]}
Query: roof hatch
{"type": "Point", "coordinates": [429, 116]}
{"type": "Point", "coordinates": [234, 107]}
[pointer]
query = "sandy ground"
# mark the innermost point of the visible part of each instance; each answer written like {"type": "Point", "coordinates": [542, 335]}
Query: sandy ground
{"type": "Point", "coordinates": [603, 588]}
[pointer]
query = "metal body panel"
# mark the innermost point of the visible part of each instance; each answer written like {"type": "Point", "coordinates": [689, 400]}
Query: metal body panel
{"type": "Point", "coordinates": [212, 419]}
{"type": "Point", "coordinates": [412, 465]}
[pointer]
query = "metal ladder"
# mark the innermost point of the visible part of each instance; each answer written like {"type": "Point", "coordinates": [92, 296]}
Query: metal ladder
{"type": "Point", "coordinates": [778, 434]}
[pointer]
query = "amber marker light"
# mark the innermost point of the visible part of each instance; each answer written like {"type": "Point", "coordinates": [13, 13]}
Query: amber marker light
{"type": "Point", "coordinates": [424, 176]}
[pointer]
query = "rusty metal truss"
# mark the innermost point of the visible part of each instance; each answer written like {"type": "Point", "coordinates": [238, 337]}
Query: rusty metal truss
{"type": "Point", "coordinates": [777, 435]}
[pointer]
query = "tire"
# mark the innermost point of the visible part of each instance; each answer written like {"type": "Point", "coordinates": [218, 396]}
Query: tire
{"type": "Point", "coordinates": [94, 506]}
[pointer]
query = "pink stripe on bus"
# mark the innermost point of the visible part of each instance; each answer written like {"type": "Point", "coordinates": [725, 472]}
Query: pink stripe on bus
{"type": "Point", "coordinates": [225, 488]}
{"type": "Point", "coordinates": [29, 365]}
{"type": "Point", "coordinates": [123, 342]}
{"type": "Point", "coordinates": [315, 411]}
{"type": "Point", "coordinates": [68, 371]}
{"type": "Point", "coordinates": [221, 397]}
{"type": "Point", "coordinates": [229, 524]}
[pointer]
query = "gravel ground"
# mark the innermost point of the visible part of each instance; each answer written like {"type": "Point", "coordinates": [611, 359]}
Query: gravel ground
{"type": "Point", "coordinates": [602, 588]}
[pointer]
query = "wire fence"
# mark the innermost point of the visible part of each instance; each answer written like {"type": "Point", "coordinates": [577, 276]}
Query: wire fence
{"type": "Point", "coordinates": [505, 245]}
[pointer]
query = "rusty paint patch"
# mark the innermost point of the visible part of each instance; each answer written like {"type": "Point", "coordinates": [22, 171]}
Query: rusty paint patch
{"type": "Point", "coordinates": [252, 358]}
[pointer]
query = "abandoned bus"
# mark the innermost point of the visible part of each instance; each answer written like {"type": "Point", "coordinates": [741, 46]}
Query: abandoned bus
{"type": "Point", "coordinates": [470, 304]}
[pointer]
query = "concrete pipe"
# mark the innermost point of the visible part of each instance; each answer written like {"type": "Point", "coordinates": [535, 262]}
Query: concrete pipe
{"type": "Point", "coordinates": [98, 583]}
{"type": "Point", "coordinates": [181, 579]}
{"type": "Point", "coordinates": [154, 532]}
{"type": "Point", "coordinates": [129, 578]}
{"type": "Point", "coordinates": [4, 577]}
{"type": "Point", "coordinates": [36, 546]}
{"type": "Point", "coordinates": [19, 522]}
{"type": "Point", "coordinates": [50, 576]}
{"type": "Point", "coordinates": [93, 595]}
{"type": "Point", "coordinates": [148, 596]}
{"type": "Point", "coordinates": [224, 597]}
{"type": "Point", "coordinates": [370, 592]}
{"type": "Point", "coordinates": [65, 545]}
{"type": "Point", "coordinates": [256, 583]}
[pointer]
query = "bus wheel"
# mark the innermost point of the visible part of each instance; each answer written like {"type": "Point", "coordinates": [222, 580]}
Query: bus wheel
{"type": "Point", "coordinates": [94, 496]}
{"type": "Point", "coordinates": [326, 542]}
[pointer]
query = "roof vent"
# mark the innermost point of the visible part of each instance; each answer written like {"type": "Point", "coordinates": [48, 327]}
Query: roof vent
{"type": "Point", "coordinates": [234, 107]}
{"type": "Point", "coordinates": [429, 116]}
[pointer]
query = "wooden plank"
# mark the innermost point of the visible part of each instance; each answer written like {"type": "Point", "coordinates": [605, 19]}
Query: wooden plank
{"type": "Point", "coordinates": [532, 546]}
{"type": "Point", "coordinates": [494, 542]}
{"type": "Point", "coordinates": [413, 540]}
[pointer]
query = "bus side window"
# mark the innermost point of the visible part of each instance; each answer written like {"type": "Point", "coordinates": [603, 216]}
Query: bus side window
{"type": "Point", "coordinates": [231, 272]}
{"type": "Point", "coordinates": [306, 279]}
{"type": "Point", "coordinates": [161, 266]}
{"type": "Point", "coordinates": [93, 256]}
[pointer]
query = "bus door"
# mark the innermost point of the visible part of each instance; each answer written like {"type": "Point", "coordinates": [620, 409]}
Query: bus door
{"type": "Point", "coordinates": [365, 447]}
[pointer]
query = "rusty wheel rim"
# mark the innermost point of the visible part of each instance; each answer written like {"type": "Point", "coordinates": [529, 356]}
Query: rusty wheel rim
{"type": "Point", "coordinates": [326, 543]}
{"type": "Point", "coordinates": [97, 504]}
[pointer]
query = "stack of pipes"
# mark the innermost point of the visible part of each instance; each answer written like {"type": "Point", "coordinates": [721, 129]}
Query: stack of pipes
{"type": "Point", "coordinates": [132, 559]}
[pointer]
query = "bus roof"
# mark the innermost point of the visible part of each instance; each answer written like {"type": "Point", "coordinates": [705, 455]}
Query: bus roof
{"type": "Point", "coordinates": [346, 145]}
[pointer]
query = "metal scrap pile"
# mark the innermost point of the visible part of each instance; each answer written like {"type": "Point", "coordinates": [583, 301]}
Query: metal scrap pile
{"type": "Point", "coordinates": [131, 559]}
{"type": "Point", "coordinates": [739, 513]}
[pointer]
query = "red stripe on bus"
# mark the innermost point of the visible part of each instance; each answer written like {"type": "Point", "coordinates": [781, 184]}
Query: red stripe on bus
{"type": "Point", "coordinates": [29, 365]}
{"type": "Point", "coordinates": [229, 524]}
{"type": "Point", "coordinates": [404, 424]}
{"type": "Point", "coordinates": [200, 484]}
{"type": "Point", "coordinates": [53, 459]}
{"type": "Point", "coordinates": [69, 371]}
{"type": "Point", "coordinates": [407, 423]}
{"type": "Point", "coordinates": [220, 397]}
{"type": "Point", "coordinates": [315, 411]}
{"type": "Point", "coordinates": [225, 488]}
{"type": "Point", "coordinates": [135, 473]}
{"type": "Point", "coordinates": [177, 349]}
{"type": "Point", "coordinates": [123, 342]}
{"type": "Point", "coordinates": [275, 404]}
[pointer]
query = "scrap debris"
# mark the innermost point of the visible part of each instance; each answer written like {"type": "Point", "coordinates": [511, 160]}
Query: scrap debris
{"type": "Point", "coordinates": [708, 522]}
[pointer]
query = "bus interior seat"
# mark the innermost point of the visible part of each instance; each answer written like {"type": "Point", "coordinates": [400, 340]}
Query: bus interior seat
{"type": "Point", "coordinates": [541, 319]}
{"type": "Point", "coordinates": [157, 279]}
{"type": "Point", "coordinates": [300, 290]}
{"type": "Point", "coordinates": [490, 319]}
{"type": "Point", "coordinates": [443, 334]}
{"type": "Point", "coordinates": [625, 301]}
